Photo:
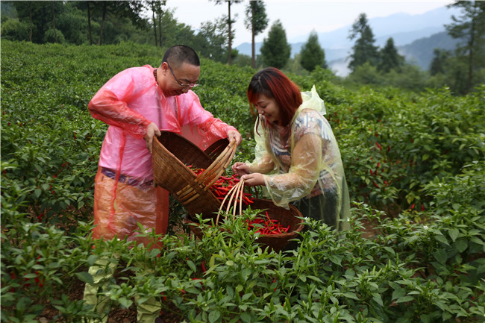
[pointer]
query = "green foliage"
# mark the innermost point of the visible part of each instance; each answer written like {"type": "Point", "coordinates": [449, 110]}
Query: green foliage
{"type": "Point", "coordinates": [414, 163]}
{"type": "Point", "coordinates": [312, 54]}
{"type": "Point", "coordinates": [275, 49]}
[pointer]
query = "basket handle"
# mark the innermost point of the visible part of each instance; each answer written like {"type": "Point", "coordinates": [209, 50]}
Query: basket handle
{"type": "Point", "coordinates": [216, 169]}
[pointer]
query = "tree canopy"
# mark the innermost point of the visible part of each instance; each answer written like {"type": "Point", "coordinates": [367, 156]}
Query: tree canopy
{"type": "Point", "coordinates": [275, 49]}
{"type": "Point", "coordinates": [312, 54]}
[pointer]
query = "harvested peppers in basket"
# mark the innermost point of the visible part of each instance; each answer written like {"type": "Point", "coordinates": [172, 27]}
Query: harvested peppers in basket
{"type": "Point", "coordinates": [223, 185]}
{"type": "Point", "coordinates": [267, 226]}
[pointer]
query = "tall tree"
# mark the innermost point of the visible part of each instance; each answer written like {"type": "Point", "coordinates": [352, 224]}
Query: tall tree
{"type": "Point", "coordinates": [389, 57]}
{"type": "Point", "coordinates": [469, 26]}
{"type": "Point", "coordinates": [364, 49]}
{"type": "Point", "coordinates": [157, 12]}
{"type": "Point", "coordinates": [439, 62]}
{"type": "Point", "coordinates": [230, 22]}
{"type": "Point", "coordinates": [275, 49]}
{"type": "Point", "coordinates": [312, 54]}
{"type": "Point", "coordinates": [256, 22]}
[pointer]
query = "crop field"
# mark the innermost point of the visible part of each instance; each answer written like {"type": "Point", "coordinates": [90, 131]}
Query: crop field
{"type": "Point", "coordinates": [414, 163]}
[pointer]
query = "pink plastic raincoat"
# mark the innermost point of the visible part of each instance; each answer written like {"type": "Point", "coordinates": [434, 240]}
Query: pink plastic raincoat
{"type": "Point", "coordinates": [124, 193]}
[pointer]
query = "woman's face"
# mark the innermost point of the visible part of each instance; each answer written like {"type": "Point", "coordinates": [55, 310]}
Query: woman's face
{"type": "Point", "coordinates": [268, 107]}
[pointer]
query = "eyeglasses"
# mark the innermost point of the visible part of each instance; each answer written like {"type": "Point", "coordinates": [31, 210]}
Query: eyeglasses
{"type": "Point", "coordinates": [183, 85]}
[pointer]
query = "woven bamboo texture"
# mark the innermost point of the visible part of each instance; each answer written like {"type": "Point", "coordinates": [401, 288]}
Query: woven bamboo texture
{"type": "Point", "coordinates": [287, 217]}
{"type": "Point", "coordinates": [171, 154]}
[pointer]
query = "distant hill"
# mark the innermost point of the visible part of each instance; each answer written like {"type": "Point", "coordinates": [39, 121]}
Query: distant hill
{"type": "Point", "coordinates": [421, 51]}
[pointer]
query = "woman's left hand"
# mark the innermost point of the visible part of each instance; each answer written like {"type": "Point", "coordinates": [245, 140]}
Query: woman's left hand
{"type": "Point", "coordinates": [253, 179]}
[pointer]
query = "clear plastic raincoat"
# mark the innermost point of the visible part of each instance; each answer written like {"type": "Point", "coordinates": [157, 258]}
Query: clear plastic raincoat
{"type": "Point", "coordinates": [307, 167]}
{"type": "Point", "coordinates": [124, 191]}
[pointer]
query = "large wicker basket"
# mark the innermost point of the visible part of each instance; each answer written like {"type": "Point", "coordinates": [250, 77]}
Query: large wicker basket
{"type": "Point", "coordinates": [287, 217]}
{"type": "Point", "coordinates": [171, 154]}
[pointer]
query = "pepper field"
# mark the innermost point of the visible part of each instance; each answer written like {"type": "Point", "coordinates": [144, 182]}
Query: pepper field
{"type": "Point", "coordinates": [414, 163]}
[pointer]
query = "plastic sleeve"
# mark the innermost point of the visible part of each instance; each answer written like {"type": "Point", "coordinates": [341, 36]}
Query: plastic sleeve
{"type": "Point", "coordinates": [303, 173]}
{"type": "Point", "coordinates": [107, 107]}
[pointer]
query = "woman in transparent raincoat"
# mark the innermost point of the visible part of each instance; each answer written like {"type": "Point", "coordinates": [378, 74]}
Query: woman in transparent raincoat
{"type": "Point", "coordinates": [297, 158]}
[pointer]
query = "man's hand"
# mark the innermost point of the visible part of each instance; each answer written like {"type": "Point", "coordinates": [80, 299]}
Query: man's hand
{"type": "Point", "coordinates": [152, 130]}
{"type": "Point", "coordinates": [234, 134]}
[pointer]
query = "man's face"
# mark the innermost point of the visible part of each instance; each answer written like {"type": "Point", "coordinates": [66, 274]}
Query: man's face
{"type": "Point", "coordinates": [178, 80]}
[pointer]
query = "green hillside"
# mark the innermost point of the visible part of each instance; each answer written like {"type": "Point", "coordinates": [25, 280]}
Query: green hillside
{"type": "Point", "coordinates": [414, 163]}
{"type": "Point", "coordinates": [421, 51]}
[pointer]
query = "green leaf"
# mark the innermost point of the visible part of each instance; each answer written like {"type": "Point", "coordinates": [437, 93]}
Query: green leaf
{"type": "Point", "coordinates": [441, 239]}
{"type": "Point", "coordinates": [377, 298]}
{"type": "Point", "coordinates": [315, 278]}
{"type": "Point", "coordinates": [404, 299]}
{"type": "Point", "coordinates": [461, 245]}
{"type": "Point", "coordinates": [126, 303]}
{"type": "Point", "coordinates": [351, 295]}
{"type": "Point", "coordinates": [398, 293]}
{"type": "Point", "coordinates": [441, 256]}
{"type": "Point", "coordinates": [336, 259]}
{"type": "Point", "coordinates": [191, 265]}
{"type": "Point", "coordinates": [214, 316]}
{"type": "Point", "coordinates": [92, 259]}
{"type": "Point", "coordinates": [245, 317]}
{"type": "Point", "coordinates": [453, 233]}
{"type": "Point", "coordinates": [85, 277]}
{"type": "Point", "coordinates": [37, 192]}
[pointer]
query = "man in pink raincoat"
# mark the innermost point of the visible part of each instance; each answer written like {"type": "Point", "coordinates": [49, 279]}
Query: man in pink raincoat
{"type": "Point", "coordinates": [136, 104]}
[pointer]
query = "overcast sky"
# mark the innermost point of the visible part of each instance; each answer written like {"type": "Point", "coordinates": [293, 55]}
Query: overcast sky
{"type": "Point", "coordinates": [298, 17]}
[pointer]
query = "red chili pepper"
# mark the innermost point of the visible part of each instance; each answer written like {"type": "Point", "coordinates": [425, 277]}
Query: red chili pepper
{"type": "Point", "coordinates": [203, 266]}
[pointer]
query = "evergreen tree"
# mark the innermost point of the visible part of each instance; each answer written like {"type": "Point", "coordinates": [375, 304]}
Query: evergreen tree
{"type": "Point", "coordinates": [439, 62]}
{"type": "Point", "coordinates": [363, 50]}
{"type": "Point", "coordinates": [469, 27]}
{"type": "Point", "coordinates": [256, 22]}
{"type": "Point", "coordinates": [312, 54]}
{"type": "Point", "coordinates": [389, 57]}
{"type": "Point", "coordinates": [230, 22]}
{"type": "Point", "coordinates": [275, 49]}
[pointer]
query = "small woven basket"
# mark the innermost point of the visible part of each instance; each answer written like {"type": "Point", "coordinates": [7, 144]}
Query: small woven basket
{"type": "Point", "coordinates": [171, 153]}
{"type": "Point", "coordinates": [286, 217]}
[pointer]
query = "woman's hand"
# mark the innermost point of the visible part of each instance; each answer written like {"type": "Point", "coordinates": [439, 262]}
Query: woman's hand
{"type": "Point", "coordinates": [240, 168]}
{"type": "Point", "coordinates": [253, 179]}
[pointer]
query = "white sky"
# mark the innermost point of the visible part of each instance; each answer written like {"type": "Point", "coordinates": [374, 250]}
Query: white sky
{"type": "Point", "coordinates": [298, 17]}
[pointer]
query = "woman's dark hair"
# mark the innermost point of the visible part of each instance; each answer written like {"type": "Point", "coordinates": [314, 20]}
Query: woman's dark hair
{"type": "Point", "coordinates": [272, 83]}
{"type": "Point", "coordinates": [179, 54]}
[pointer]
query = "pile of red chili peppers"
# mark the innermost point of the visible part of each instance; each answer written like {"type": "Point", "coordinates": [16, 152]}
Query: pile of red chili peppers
{"type": "Point", "coordinates": [223, 185]}
{"type": "Point", "coordinates": [270, 226]}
